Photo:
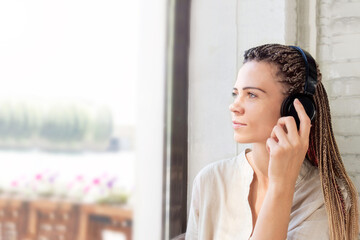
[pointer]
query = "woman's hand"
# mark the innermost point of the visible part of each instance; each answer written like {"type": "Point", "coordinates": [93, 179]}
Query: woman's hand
{"type": "Point", "coordinates": [287, 147]}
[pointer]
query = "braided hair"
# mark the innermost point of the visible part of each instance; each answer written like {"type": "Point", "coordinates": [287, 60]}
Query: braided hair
{"type": "Point", "coordinates": [323, 151]}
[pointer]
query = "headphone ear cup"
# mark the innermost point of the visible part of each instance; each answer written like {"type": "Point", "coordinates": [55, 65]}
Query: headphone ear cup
{"type": "Point", "coordinates": [288, 108]}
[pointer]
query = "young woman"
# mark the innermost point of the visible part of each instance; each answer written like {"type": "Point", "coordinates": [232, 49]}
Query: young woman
{"type": "Point", "coordinates": [292, 183]}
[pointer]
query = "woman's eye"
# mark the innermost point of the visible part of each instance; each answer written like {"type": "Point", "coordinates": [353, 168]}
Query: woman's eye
{"type": "Point", "coordinates": [252, 95]}
{"type": "Point", "coordinates": [249, 93]}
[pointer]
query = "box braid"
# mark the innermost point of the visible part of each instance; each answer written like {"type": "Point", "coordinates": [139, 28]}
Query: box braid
{"type": "Point", "coordinates": [323, 151]}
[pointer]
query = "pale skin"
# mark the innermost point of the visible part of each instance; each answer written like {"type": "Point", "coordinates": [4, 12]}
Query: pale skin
{"type": "Point", "coordinates": [278, 148]}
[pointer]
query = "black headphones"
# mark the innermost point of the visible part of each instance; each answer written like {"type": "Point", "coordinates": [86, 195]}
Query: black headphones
{"type": "Point", "coordinates": [306, 98]}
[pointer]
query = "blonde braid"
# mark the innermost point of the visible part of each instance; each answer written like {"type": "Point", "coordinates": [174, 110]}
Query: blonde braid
{"type": "Point", "coordinates": [323, 151]}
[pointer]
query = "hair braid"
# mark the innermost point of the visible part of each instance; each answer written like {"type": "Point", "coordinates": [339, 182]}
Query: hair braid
{"type": "Point", "coordinates": [323, 151]}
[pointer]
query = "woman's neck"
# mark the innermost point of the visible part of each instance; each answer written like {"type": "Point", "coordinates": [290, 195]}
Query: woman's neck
{"type": "Point", "coordinates": [258, 159]}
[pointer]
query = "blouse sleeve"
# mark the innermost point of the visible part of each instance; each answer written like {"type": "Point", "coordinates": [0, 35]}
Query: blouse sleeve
{"type": "Point", "coordinates": [193, 220]}
{"type": "Point", "coordinates": [315, 227]}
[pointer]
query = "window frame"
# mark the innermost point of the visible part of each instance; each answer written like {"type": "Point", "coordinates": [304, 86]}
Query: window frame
{"type": "Point", "coordinates": [175, 171]}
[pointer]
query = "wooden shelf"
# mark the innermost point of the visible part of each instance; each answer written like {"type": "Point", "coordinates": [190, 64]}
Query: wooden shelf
{"type": "Point", "coordinates": [54, 219]}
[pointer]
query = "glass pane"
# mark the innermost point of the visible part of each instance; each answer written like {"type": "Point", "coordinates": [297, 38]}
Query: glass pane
{"type": "Point", "coordinates": [67, 114]}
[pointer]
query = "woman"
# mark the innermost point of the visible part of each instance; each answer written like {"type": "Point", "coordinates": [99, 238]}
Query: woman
{"type": "Point", "coordinates": [292, 182]}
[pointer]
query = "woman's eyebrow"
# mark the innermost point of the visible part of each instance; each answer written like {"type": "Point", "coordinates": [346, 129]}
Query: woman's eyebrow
{"type": "Point", "coordinates": [244, 88]}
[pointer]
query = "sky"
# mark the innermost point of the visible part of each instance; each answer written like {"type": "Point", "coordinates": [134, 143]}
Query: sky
{"type": "Point", "coordinates": [70, 50]}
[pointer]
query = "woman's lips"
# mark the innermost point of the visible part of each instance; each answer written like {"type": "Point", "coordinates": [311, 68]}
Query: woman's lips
{"type": "Point", "coordinates": [238, 124]}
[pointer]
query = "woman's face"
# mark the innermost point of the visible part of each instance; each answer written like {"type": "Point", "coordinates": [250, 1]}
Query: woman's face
{"type": "Point", "coordinates": [257, 101]}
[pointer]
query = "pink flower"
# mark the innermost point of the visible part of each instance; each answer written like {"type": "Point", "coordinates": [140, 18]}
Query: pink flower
{"type": "Point", "coordinates": [86, 189]}
{"type": "Point", "coordinates": [79, 178]}
{"type": "Point", "coordinates": [96, 181]}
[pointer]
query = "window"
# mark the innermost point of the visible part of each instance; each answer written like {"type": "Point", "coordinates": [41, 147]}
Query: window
{"type": "Point", "coordinates": [68, 101]}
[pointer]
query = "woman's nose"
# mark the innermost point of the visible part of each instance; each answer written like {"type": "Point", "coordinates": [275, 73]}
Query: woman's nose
{"type": "Point", "coordinates": [236, 106]}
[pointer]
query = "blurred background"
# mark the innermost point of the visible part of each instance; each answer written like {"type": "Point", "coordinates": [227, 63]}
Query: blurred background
{"type": "Point", "coordinates": [109, 109]}
{"type": "Point", "coordinates": [67, 118]}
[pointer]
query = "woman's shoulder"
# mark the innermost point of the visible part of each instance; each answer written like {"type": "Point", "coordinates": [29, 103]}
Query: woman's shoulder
{"type": "Point", "coordinates": [222, 168]}
{"type": "Point", "coordinates": [216, 167]}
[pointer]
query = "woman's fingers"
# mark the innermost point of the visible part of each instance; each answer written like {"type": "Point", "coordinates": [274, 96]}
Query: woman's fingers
{"type": "Point", "coordinates": [290, 125]}
{"type": "Point", "coordinates": [279, 135]}
{"type": "Point", "coordinates": [285, 132]}
{"type": "Point", "coordinates": [305, 122]}
{"type": "Point", "coordinates": [270, 144]}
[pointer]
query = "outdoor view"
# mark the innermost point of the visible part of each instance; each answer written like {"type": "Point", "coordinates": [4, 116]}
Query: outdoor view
{"type": "Point", "coordinates": [67, 118]}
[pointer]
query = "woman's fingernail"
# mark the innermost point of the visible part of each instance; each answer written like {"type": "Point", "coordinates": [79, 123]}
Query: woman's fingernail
{"type": "Point", "coordinates": [296, 101]}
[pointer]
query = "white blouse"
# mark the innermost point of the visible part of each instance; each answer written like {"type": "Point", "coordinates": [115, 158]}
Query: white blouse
{"type": "Point", "coordinates": [220, 207]}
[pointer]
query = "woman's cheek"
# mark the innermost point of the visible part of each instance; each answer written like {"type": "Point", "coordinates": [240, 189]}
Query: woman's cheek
{"type": "Point", "coordinates": [268, 119]}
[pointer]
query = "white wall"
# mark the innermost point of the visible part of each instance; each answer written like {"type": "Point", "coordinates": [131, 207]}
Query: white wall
{"type": "Point", "coordinates": [220, 32]}
{"type": "Point", "coordinates": [339, 58]}
{"type": "Point", "coordinates": [261, 22]}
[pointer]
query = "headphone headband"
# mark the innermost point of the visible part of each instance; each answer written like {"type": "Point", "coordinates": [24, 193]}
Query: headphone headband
{"type": "Point", "coordinates": [311, 71]}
